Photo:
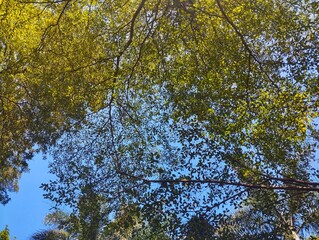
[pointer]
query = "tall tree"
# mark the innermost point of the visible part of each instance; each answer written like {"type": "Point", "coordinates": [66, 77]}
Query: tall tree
{"type": "Point", "coordinates": [157, 101]}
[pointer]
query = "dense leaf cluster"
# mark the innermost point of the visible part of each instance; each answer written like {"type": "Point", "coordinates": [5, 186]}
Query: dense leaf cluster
{"type": "Point", "coordinates": [184, 108]}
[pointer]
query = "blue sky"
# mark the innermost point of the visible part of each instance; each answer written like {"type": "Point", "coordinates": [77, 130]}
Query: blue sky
{"type": "Point", "coordinates": [25, 212]}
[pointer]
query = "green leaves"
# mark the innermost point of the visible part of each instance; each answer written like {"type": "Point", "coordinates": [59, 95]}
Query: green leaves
{"type": "Point", "coordinates": [129, 95]}
{"type": "Point", "coordinates": [4, 234]}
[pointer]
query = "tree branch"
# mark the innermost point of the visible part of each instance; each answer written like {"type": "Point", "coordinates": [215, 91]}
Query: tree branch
{"type": "Point", "coordinates": [46, 31]}
{"type": "Point", "coordinates": [135, 15]}
{"type": "Point", "coordinates": [304, 188]}
{"type": "Point", "coordinates": [247, 47]}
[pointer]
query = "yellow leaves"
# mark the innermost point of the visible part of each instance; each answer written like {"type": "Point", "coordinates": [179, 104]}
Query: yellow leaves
{"type": "Point", "coordinates": [152, 66]}
{"type": "Point", "coordinates": [246, 173]}
{"type": "Point", "coordinates": [211, 111]}
{"type": "Point", "coordinates": [69, 91]}
{"type": "Point", "coordinates": [21, 24]}
{"type": "Point", "coordinates": [238, 10]}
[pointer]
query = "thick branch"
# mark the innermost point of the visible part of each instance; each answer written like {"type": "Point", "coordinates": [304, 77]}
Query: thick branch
{"type": "Point", "coordinates": [295, 181]}
{"type": "Point", "coordinates": [305, 188]}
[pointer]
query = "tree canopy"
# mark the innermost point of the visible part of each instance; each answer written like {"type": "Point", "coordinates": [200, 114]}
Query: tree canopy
{"type": "Point", "coordinates": [4, 234]}
{"type": "Point", "coordinates": [177, 106]}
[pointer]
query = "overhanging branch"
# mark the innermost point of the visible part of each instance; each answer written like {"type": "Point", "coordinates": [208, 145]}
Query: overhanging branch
{"type": "Point", "coordinates": [287, 186]}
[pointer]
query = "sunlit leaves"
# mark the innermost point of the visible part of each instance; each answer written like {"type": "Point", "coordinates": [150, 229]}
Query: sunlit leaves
{"type": "Point", "coordinates": [4, 234]}
{"type": "Point", "coordinates": [233, 84]}
{"type": "Point", "coordinates": [126, 92]}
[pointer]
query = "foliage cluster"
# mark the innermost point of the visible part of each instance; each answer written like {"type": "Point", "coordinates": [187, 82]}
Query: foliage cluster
{"type": "Point", "coordinates": [4, 234]}
{"type": "Point", "coordinates": [181, 108]}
